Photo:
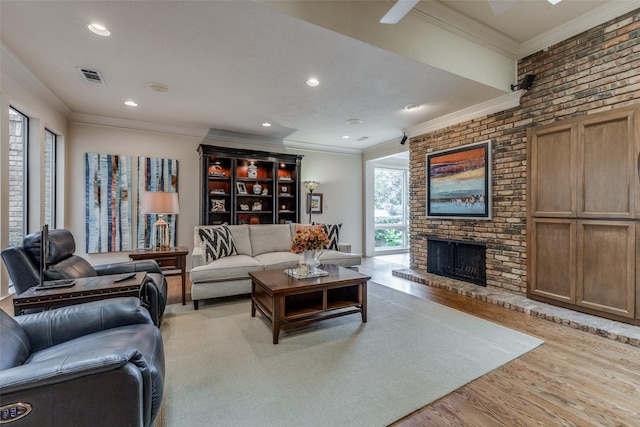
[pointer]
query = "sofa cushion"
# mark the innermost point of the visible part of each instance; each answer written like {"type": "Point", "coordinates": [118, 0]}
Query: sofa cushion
{"type": "Point", "coordinates": [227, 268]}
{"type": "Point", "coordinates": [342, 259]}
{"type": "Point", "coordinates": [217, 242]}
{"type": "Point", "coordinates": [240, 234]}
{"type": "Point", "coordinates": [270, 238]}
{"type": "Point", "coordinates": [278, 260]}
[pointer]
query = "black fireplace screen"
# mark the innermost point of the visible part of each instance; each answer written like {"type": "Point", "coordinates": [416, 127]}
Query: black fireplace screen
{"type": "Point", "coordinates": [464, 261]}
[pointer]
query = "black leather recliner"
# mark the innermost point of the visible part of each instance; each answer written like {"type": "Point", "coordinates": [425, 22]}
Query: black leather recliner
{"type": "Point", "coordinates": [23, 264]}
{"type": "Point", "coordinates": [100, 363]}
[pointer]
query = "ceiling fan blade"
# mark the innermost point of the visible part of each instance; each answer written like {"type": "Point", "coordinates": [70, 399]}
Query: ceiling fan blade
{"type": "Point", "coordinates": [398, 11]}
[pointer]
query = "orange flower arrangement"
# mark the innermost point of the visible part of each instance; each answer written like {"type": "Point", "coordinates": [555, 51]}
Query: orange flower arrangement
{"type": "Point", "coordinates": [309, 237]}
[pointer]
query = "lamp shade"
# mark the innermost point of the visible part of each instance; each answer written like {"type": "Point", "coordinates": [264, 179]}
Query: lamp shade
{"type": "Point", "coordinates": [159, 202]}
{"type": "Point", "coordinates": [311, 185]}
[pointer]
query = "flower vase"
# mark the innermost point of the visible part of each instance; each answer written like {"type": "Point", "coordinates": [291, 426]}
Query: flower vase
{"type": "Point", "coordinates": [310, 257]}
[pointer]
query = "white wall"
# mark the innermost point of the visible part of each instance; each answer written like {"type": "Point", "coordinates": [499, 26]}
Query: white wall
{"type": "Point", "coordinates": [340, 177]}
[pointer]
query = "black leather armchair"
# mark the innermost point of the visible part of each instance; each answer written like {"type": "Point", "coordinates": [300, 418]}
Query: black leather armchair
{"type": "Point", "coordinates": [23, 265]}
{"type": "Point", "coordinates": [100, 363]}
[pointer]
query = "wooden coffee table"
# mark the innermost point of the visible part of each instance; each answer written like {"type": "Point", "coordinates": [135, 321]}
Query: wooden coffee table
{"type": "Point", "coordinates": [285, 301]}
{"type": "Point", "coordinates": [84, 290]}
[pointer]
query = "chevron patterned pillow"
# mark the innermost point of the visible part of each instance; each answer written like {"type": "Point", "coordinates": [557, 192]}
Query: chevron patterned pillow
{"type": "Point", "coordinates": [217, 242]}
{"type": "Point", "coordinates": [333, 230]}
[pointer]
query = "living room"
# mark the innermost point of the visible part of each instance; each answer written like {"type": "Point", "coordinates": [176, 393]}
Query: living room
{"type": "Point", "coordinates": [343, 173]}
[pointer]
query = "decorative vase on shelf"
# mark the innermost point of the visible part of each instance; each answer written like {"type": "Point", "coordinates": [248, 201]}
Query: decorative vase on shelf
{"type": "Point", "coordinates": [252, 171]}
{"type": "Point", "coordinates": [257, 188]}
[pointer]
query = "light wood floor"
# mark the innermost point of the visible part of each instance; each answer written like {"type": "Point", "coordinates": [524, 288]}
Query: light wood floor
{"type": "Point", "coordinates": [573, 379]}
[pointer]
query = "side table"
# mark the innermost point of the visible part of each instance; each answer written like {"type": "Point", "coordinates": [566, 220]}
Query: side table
{"type": "Point", "coordinates": [172, 262]}
{"type": "Point", "coordinates": [84, 289]}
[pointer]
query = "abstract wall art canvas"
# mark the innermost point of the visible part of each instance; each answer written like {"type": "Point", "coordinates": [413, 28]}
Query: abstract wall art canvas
{"type": "Point", "coordinates": [155, 174]}
{"type": "Point", "coordinates": [459, 182]}
{"type": "Point", "coordinates": [108, 208]}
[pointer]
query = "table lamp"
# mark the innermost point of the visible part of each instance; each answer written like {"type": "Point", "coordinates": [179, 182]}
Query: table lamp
{"type": "Point", "coordinates": [160, 203]}
{"type": "Point", "coordinates": [311, 185]}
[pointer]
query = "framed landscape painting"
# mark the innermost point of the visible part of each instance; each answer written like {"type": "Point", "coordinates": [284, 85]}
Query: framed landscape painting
{"type": "Point", "coordinates": [459, 182]}
{"type": "Point", "coordinates": [314, 203]}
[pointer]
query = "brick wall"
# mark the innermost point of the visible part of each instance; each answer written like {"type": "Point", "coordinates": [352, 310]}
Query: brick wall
{"type": "Point", "coordinates": [16, 179]}
{"type": "Point", "coordinates": [594, 71]}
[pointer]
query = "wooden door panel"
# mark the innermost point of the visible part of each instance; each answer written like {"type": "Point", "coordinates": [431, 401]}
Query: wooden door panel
{"type": "Point", "coordinates": [552, 171]}
{"type": "Point", "coordinates": [606, 256]}
{"type": "Point", "coordinates": [552, 259]}
{"type": "Point", "coordinates": [637, 270]}
{"type": "Point", "coordinates": [607, 159]}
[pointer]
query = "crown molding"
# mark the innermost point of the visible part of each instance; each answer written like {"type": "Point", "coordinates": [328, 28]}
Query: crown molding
{"type": "Point", "coordinates": [259, 140]}
{"type": "Point", "coordinates": [136, 125]}
{"type": "Point", "coordinates": [501, 103]}
{"type": "Point", "coordinates": [385, 149]}
{"type": "Point", "coordinates": [457, 23]}
{"type": "Point", "coordinates": [336, 149]}
{"type": "Point", "coordinates": [212, 134]}
{"type": "Point", "coordinates": [571, 28]}
{"type": "Point", "coordinates": [29, 81]}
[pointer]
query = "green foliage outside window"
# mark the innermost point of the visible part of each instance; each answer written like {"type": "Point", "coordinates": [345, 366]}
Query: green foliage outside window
{"type": "Point", "coordinates": [388, 238]}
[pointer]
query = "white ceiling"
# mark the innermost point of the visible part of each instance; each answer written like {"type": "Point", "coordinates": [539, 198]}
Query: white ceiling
{"type": "Point", "coordinates": [232, 65]}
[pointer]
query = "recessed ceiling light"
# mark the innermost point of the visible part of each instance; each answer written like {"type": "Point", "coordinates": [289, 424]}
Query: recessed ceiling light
{"type": "Point", "coordinates": [313, 82]}
{"type": "Point", "coordinates": [266, 124]}
{"type": "Point", "coordinates": [554, 2]}
{"type": "Point", "coordinates": [158, 87]}
{"type": "Point", "coordinates": [411, 107]}
{"type": "Point", "coordinates": [353, 121]}
{"type": "Point", "coordinates": [131, 103]}
{"type": "Point", "coordinates": [98, 29]}
{"type": "Point", "coordinates": [345, 136]}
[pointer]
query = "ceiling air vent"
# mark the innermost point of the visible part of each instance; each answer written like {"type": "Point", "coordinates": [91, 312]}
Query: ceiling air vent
{"type": "Point", "coordinates": [91, 76]}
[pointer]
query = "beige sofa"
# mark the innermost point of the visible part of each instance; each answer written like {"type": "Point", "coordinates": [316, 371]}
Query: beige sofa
{"type": "Point", "coordinates": [259, 247]}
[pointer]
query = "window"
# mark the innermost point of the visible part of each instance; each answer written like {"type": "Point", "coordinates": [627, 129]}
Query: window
{"type": "Point", "coordinates": [391, 202]}
{"type": "Point", "coordinates": [50, 140]}
{"type": "Point", "coordinates": [18, 137]}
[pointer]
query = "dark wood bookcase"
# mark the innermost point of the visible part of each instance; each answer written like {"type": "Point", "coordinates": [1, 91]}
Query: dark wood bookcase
{"type": "Point", "coordinates": [248, 187]}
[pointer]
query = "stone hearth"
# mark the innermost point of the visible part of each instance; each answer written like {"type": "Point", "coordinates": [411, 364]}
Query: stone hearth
{"type": "Point", "coordinates": [610, 329]}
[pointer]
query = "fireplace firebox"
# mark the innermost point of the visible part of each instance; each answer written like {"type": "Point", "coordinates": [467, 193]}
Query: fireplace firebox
{"type": "Point", "coordinates": [457, 259]}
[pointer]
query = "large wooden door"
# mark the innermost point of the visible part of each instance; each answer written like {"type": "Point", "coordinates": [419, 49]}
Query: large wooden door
{"type": "Point", "coordinates": [584, 214]}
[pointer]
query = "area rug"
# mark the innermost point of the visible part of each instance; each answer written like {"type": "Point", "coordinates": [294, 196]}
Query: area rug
{"type": "Point", "coordinates": [223, 370]}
